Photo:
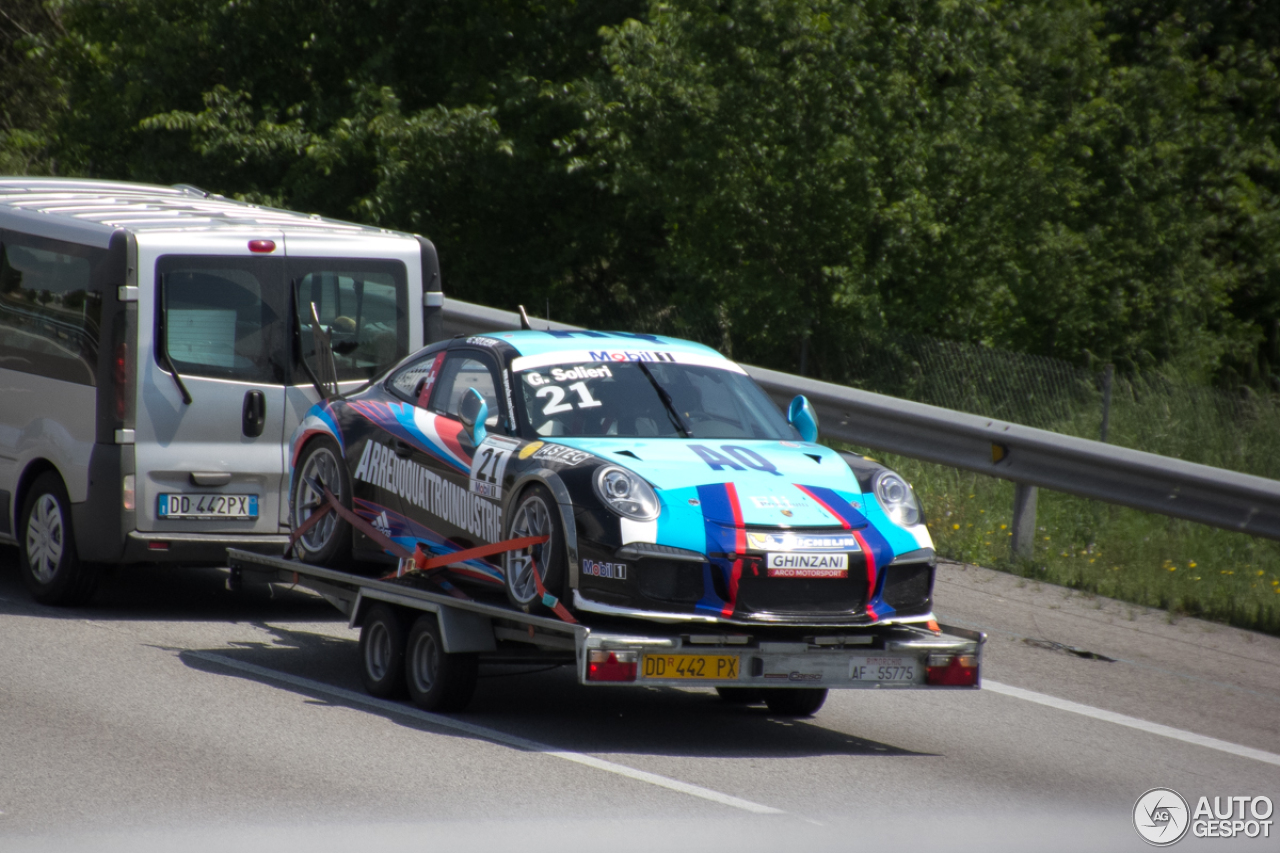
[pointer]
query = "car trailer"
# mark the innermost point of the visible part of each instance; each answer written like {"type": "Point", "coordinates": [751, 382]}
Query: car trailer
{"type": "Point", "coordinates": [422, 637]}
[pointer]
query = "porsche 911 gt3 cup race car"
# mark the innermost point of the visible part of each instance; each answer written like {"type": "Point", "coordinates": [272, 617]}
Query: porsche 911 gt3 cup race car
{"type": "Point", "coordinates": [671, 487]}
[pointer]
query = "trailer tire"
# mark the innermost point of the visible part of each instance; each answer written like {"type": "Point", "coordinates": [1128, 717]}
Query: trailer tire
{"type": "Point", "coordinates": [383, 637]}
{"type": "Point", "coordinates": [536, 514]}
{"type": "Point", "coordinates": [51, 567]}
{"type": "Point", "coordinates": [327, 544]}
{"type": "Point", "coordinates": [437, 681]}
{"type": "Point", "coordinates": [795, 702]}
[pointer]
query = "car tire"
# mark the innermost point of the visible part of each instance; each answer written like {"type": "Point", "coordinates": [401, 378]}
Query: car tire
{"type": "Point", "coordinates": [384, 636]}
{"type": "Point", "coordinates": [328, 543]}
{"type": "Point", "coordinates": [740, 695]}
{"type": "Point", "coordinates": [437, 681]}
{"type": "Point", "coordinates": [50, 565]}
{"type": "Point", "coordinates": [795, 702]}
{"type": "Point", "coordinates": [536, 514]}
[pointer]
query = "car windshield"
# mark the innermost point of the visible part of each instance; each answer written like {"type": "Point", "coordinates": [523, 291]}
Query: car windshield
{"type": "Point", "coordinates": [656, 400]}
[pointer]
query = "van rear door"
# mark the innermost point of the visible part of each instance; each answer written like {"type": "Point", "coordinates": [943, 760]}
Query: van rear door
{"type": "Point", "coordinates": [213, 362]}
{"type": "Point", "coordinates": [366, 290]}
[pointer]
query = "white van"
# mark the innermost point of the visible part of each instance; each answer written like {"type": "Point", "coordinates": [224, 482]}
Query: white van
{"type": "Point", "coordinates": [154, 362]}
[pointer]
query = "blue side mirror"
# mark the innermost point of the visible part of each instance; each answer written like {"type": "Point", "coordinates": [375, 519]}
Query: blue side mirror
{"type": "Point", "coordinates": [802, 416]}
{"type": "Point", "coordinates": [473, 411]}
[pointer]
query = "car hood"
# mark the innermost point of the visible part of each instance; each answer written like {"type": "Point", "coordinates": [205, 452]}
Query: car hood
{"type": "Point", "coordinates": [777, 483]}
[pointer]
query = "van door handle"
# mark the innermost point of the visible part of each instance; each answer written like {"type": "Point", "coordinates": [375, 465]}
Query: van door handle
{"type": "Point", "coordinates": [254, 414]}
{"type": "Point", "coordinates": [404, 451]}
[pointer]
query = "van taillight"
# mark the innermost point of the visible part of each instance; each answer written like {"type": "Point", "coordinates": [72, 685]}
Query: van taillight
{"type": "Point", "coordinates": [120, 378]}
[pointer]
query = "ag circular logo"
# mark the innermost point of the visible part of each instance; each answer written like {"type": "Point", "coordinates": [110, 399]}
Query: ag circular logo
{"type": "Point", "coordinates": [1161, 816]}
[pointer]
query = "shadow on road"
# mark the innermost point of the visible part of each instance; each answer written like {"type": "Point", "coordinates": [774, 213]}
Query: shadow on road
{"type": "Point", "coordinates": [168, 593]}
{"type": "Point", "coordinates": [550, 707]}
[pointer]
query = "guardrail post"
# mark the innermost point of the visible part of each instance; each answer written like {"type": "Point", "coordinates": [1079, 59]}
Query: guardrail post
{"type": "Point", "coordinates": [1024, 521]}
{"type": "Point", "coordinates": [1107, 376]}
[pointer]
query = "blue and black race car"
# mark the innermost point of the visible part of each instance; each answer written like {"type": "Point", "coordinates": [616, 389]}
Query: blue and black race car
{"type": "Point", "coordinates": [670, 485]}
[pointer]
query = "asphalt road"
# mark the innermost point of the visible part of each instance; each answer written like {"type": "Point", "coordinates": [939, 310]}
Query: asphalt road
{"type": "Point", "coordinates": [174, 715]}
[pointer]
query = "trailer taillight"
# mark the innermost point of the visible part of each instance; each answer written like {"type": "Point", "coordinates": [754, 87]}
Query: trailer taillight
{"type": "Point", "coordinates": [262, 246]}
{"type": "Point", "coordinates": [611, 666]}
{"type": "Point", "coordinates": [120, 377]}
{"type": "Point", "coordinates": [952, 670]}
{"type": "Point", "coordinates": [128, 492]}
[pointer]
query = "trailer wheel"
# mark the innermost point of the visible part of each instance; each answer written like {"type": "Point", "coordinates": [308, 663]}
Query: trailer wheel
{"type": "Point", "coordinates": [437, 681]}
{"type": "Point", "coordinates": [537, 514]}
{"type": "Point", "coordinates": [382, 643]}
{"type": "Point", "coordinates": [795, 702]}
{"type": "Point", "coordinates": [328, 543]}
{"type": "Point", "coordinates": [47, 556]}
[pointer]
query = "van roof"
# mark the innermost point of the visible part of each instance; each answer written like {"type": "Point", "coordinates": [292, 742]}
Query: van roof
{"type": "Point", "coordinates": [82, 210]}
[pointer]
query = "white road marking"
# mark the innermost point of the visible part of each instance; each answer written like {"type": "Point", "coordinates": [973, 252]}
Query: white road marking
{"type": "Point", "coordinates": [1131, 722]}
{"type": "Point", "coordinates": [489, 734]}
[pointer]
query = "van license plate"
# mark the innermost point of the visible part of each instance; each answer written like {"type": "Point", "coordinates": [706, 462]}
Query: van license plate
{"type": "Point", "coordinates": [208, 506]}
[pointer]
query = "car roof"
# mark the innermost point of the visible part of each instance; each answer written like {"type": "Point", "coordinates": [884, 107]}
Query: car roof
{"type": "Point", "coordinates": [101, 207]}
{"type": "Point", "coordinates": [535, 342]}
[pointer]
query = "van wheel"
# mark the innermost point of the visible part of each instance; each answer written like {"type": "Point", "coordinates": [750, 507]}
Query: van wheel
{"type": "Point", "coordinates": [328, 543]}
{"type": "Point", "coordinates": [50, 566]}
{"type": "Point", "coordinates": [537, 514]}
{"type": "Point", "coordinates": [382, 642]}
{"type": "Point", "coordinates": [437, 681]}
{"type": "Point", "coordinates": [795, 702]}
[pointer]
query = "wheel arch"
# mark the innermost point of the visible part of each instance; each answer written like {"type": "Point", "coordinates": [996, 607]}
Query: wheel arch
{"type": "Point", "coordinates": [551, 481]}
{"type": "Point", "coordinates": [29, 475]}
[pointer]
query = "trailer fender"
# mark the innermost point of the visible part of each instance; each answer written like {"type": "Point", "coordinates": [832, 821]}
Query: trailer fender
{"type": "Point", "coordinates": [461, 630]}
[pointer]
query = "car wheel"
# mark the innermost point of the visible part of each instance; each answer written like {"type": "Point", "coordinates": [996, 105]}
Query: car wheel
{"type": "Point", "coordinates": [795, 702]}
{"type": "Point", "coordinates": [437, 681]}
{"type": "Point", "coordinates": [47, 556]}
{"type": "Point", "coordinates": [740, 695]}
{"type": "Point", "coordinates": [328, 543]}
{"type": "Point", "coordinates": [383, 637]}
{"type": "Point", "coordinates": [537, 514]}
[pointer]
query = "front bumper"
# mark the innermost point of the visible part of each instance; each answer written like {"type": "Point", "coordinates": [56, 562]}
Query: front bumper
{"type": "Point", "coordinates": [737, 589]}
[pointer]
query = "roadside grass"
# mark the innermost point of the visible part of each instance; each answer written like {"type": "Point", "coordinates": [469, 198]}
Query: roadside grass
{"type": "Point", "coordinates": [1184, 568]}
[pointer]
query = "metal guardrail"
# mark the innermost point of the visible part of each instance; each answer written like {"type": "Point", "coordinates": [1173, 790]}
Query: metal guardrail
{"type": "Point", "coordinates": [1023, 455]}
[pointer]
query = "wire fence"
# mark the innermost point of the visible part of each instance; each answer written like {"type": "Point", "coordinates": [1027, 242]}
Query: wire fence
{"type": "Point", "coordinates": [1148, 411]}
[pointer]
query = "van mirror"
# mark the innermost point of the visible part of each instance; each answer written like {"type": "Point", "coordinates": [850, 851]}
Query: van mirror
{"type": "Point", "coordinates": [800, 414]}
{"type": "Point", "coordinates": [473, 411]}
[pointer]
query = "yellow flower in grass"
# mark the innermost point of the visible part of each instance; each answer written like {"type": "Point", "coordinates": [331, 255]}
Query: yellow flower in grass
{"type": "Point", "coordinates": [1004, 527]}
{"type": "Point", "coordinates": [1172, 568]}
{"type": "Point", "coordinates": [1191, 565]}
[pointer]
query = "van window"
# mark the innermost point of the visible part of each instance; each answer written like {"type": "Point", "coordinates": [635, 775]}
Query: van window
{"type": "Point", "coordinates": [364, 306]}
{"type": "Point", "coordinates": [50, 309]}
{"type": "Point", "coordinates": [222, 316]}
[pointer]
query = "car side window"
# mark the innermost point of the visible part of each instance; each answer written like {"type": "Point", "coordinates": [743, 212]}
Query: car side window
{"type": "Point", "coordinates": [414, 382]}
{"type": "Point", "coordinates": [462, 371]}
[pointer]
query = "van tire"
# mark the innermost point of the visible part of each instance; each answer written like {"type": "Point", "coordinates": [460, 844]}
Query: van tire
{"type": "Point", "coordinates": [51, 567]}
{"type": "Point", "coordinates": [329, 542]}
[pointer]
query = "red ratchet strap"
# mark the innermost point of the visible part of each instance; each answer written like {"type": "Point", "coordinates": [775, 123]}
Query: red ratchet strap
{"type": "Point", "coordinates": [319, 513]}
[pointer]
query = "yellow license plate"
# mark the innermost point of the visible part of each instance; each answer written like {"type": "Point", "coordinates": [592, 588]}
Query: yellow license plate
{"type": "Point", "coordinates": [691, 666]}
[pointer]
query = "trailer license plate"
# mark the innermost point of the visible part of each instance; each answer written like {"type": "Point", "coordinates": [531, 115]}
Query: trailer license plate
{"type": "Point", "coordinates": [208, 506]}
{"type": "Point", "coordinates": [885, 670]}
{"type": "Point", "coordinates": [715, 667]}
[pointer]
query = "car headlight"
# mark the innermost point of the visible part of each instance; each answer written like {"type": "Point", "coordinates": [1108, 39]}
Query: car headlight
{"type": "Point", "coordinates": [896, 499]}
{"type": "Point", "coordinates": [626, 494]}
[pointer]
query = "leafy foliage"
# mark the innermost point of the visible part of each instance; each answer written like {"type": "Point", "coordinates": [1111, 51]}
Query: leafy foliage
{"type": "Point", "coordinates": [1086, 180]}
